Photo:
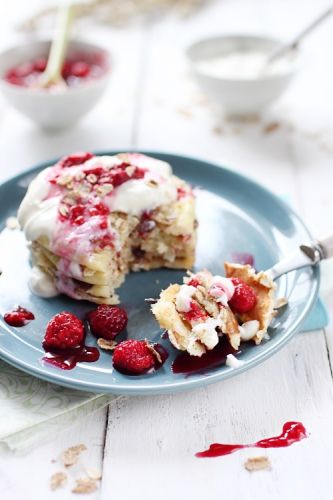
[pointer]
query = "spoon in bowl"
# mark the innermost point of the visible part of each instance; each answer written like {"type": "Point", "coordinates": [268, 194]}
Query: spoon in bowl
{"type": "Point", "coordinates": [52, 75]}
{"type": "Point", "coordinates": [290, 46]}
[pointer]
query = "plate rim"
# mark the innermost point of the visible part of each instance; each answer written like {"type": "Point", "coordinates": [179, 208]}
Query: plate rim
{"type": "Point", "coordinates": [179, 385]}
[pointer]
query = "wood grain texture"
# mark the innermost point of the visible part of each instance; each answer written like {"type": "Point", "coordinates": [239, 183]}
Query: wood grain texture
{"type": "Point", "coordinates": [156, 438]}
{"type": "Point", "coordinates": [28, 476]}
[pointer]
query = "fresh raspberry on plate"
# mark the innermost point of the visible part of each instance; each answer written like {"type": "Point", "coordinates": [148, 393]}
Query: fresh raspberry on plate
{"type": "Point", "coordinates": [64, 331]}
{"type": "Point", "coordinates": [244, 297]}
{"type": "Point", "coordinates": [133, 357]}
{"type": "Point", "coordinates": [107, 321]}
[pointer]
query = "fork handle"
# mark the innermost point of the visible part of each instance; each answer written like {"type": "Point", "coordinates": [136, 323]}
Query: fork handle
{"type": "Point", "coordinates": [326, 246]}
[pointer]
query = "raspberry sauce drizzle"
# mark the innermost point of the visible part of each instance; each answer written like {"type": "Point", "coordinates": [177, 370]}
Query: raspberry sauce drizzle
{"type": "Point", "coordinates": [18, 317]}
{"type": "Point", "coordinates": [185, 363]}
{"type": "Point", "coordinates": [292, 432]}
{"type": "Point", "coordinates": [67, 359]}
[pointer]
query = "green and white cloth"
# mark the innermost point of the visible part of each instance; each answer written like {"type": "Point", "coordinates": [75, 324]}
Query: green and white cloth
{"type": "Point", "coordinates": [30, 408]}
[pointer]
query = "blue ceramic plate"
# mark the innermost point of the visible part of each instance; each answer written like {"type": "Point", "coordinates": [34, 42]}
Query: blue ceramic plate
{"type": "Point", "coordinates": [235, 215]}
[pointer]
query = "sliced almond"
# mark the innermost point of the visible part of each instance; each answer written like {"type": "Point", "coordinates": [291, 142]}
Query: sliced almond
{"type": "Point", "coordinates": [63, 210]}
{"type": "Point", "coordinates": [130, 170]}
{"type": "Point", "coordinates": [152, 183]}
{"type": "Point", "coordinates": [104, 189]}
{"type": "Point", "coordinates": [64, 180]}
{"type": "Point", "coordinates": [69, 199]}
{"type": "Point", "coordinates": [154, 351]}
{"type": "Point", "coordinates": [280, 302]}
{"type": "Point", "coordinates": [79, 176]}
{"type": "Point", "coordinates": [107, 345]}
{"type": "Point", "coordinates": [92, 178]}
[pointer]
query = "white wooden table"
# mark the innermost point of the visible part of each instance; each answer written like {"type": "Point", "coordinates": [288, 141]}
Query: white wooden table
{"type": "Point", "coordinates": [145, 445]}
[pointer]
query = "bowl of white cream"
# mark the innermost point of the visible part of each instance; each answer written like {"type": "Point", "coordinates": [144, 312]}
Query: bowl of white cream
{"type": "Point", "coordinates": [232, 71]}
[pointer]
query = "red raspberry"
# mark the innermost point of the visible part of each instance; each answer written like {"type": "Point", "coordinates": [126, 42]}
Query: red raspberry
{"type": "Point", "coordinates": [76, 214]}
{"type": "Point", "coordinates": [133, 357]}
{"type": "Point", "coordinates": [40, 64]}
{"type": "Point", "coordinates": [74, 159]}
{"type": "Point", "coordinates": [99, 209]}
{"type": "Point", "coordinates": [63, 331]}
{"type": "Point", "coordinates": [193, 282]}
{"type": "Point", "coordinates": [244, 298]}
{"type": "Point", "coordinates": [23, 70]}
{"type": "Point", "coordinates": [107, 321]}
{"type": "Point", "coordinates": [80, 69]}
{"type": "Point", "coordinates": [196, 313]}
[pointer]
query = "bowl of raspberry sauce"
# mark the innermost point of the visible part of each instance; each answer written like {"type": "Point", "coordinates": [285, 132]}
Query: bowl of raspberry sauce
{"type": "Point", "coordinates": [86, 71]}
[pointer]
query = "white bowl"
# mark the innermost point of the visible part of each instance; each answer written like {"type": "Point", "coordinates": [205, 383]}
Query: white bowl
{"type": "Point", "coordinates": [239, 96]}
{"type": "Point", "coordinates": [50, 109]}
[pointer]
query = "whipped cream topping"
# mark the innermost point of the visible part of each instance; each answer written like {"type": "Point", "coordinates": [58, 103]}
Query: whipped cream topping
{"type": "Point", "coordinates": [41, 284]}
{"type": "Point", "coordinates": [183, 298]}
{"type": "Point", "coordinates": [206, 332]}
{"type": "Point", "coordinates": [222, 289]}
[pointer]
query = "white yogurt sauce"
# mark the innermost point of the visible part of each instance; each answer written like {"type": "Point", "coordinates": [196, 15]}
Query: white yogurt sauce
{"type": "Point", "coordinates": [242, 65]}
{"type": "Point", "coordinates": [233, 362]}
{"type": "Point", "coordinates": [41, 284]}
{"type": "Point", "coordinates": [222, 289]}
{"type": "Point", "coordinates": [136, 196]}
{"type": "Point", "coordinates": [38, 214]}
{"type": "Point", "coordinates": [183, 298]}
{"type": "Point", "coordinates": [206, 332]}
{"type": "Point", "coordinates": [249, 329]}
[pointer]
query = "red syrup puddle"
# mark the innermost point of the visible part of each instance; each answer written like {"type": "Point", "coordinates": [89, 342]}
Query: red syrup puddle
{"type": "Point", "coordinates": [67, 359]}
{"type": "Point", "coordinates": [185, 363]}
{"type": "Point", "coordinates": [18, 317]}
{"type": "Point", "coordinates": [292, 432]}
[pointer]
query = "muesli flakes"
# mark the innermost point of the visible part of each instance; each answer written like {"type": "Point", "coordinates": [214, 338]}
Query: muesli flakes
{"type": "Point", "coordinates": [70, 456]}
{"type": "Point", "coordinates": [85, 485]}
{"type": "Point", "coordinates": [58, 480]}
{"type": "Point", "coordinates": [257, 463]}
